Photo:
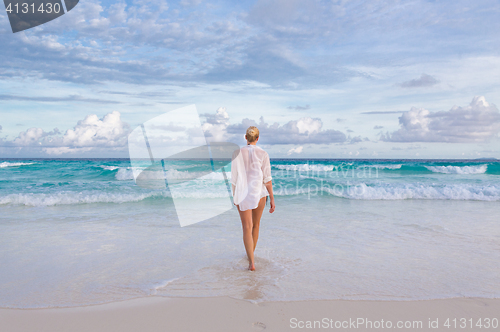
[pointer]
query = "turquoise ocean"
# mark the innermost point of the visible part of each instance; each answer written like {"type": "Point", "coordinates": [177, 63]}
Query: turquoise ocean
{"type": "Point", "coordinates": [80, 232]}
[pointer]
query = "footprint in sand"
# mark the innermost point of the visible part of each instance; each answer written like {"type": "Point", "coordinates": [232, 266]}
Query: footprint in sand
{"type": "Point", "coordinates": [259, 326]}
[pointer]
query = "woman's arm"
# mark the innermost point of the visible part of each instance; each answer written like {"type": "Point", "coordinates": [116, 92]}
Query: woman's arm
{"type": "Point", "coordinates": [234, 171]}
{"type": "Point", "coordinates": [266, 172]}
{"type": "Point", "coordinates": [269, 186]}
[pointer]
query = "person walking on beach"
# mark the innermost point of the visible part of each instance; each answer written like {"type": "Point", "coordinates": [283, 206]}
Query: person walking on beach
{"type": "Point", "coordinates": [251, 183]}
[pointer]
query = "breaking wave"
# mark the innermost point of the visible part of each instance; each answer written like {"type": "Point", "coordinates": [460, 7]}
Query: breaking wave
{"type": "Point", "coordinates": [8, 164]}
{"type": "Point", "coordinates": [479, 169]}
{"type": "Point", "coordinates": [417, 191]}
{"type": "Point", "coordinates": [306, 167]}
{"type": "Point", "coordinates": [70, 197]}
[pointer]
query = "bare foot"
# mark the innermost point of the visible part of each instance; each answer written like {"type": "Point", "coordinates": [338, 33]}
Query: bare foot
{"type": "Point", "coordinates": [251, 267]}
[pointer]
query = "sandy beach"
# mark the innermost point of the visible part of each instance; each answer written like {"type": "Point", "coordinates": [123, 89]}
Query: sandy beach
{"type": "Point", "coordinates": [416, 249]}
{"type": "Point", "coordinates": [227, 314]}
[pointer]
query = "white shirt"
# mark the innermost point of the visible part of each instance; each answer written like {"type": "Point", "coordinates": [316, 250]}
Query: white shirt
{"type": "Point", "coordinates": [250, 169]}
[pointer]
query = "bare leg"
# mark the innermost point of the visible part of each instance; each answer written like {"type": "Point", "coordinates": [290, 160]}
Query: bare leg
{"type": "Point", "coordinates": [247, 225]}
{"type": "Point", "coordinates": [256, 215]}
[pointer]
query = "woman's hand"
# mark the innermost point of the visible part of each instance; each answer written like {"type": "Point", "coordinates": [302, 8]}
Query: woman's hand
{"type": "Point", "coordinates": [271, 210]}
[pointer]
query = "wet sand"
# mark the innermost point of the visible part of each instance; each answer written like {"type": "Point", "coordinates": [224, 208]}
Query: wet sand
{"type": "Point", "coordinates": [227, 314]}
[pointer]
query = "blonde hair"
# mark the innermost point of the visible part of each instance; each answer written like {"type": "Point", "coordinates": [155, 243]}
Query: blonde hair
{"type": "Point", "coordinates": [252, 134]}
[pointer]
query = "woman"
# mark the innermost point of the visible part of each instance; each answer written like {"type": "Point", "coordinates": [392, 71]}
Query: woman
{"type": "Point", "coordinates": [251, 182]}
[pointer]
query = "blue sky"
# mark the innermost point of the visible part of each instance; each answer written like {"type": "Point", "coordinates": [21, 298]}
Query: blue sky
{"type": "Point", "coordinates": [324, 79]}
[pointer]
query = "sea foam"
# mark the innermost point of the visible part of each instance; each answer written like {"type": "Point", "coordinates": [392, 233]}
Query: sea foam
{"type": "Point", "coordinates": [480, 169]}
{"type": "Point", "coordinates": [306, 167]}
{"type": "Point", "coordinates": [8, 164]}
{"type": "Point", "coordinates": [108, 168]}
{"type": "Point", "coordinates": [69, 197]}
{"type": "Point", "coordinates": [390, 166]}
{"type": "Point", "coordinates": [417, 191]}
{"type": "Point", "coordinates": [125, 174]}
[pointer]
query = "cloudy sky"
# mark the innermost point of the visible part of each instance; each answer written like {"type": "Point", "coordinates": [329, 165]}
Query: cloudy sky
{"type": "Point", "coordinates": [324, 79]}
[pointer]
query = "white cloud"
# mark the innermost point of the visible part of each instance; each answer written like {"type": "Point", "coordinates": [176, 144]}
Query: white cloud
{"type": "Point", "coordinates": [66, 150]}
{"type": "Point", "coordinates": [305, 130]}
{"type": "Point", "coordinates": [216, 124]}
{"type": "Point", "coordinates": [296, 150]}
{"type": "Point", "coordinates": [109, 36]}
{"type": "Point", "coordinates": [478, 122]}
{"type": "Point", "coordinates": [89, 133]}
{"type": "Point", "coordinates": [285, 43]}
{"type": "Point", "coordinates": [109, 131]}
{"type": "Point", "coordinates": [29, 137]}
{"type": "Point", "coordinates": [309, 126]}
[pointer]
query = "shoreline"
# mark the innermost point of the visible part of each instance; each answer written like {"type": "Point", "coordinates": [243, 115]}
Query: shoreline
{"type": "Point", "coordinates": [151, 298]}
{"type": "Point", "coordinates": [155, 313]}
